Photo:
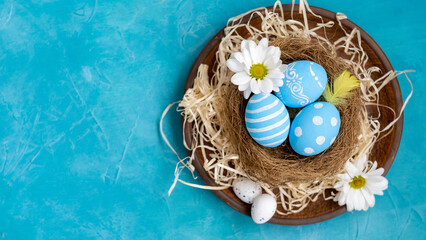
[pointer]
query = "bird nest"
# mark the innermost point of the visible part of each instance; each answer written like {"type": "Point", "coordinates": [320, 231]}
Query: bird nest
{"type": "Point", "coordinates": [280, 165]}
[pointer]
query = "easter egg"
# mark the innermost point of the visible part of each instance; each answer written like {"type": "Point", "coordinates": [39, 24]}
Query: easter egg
{"type": "Point", "coordinates": [304, 82]}
{"type": "Point", "coordinates": [263, 208]}
{"type": "Point", "coordinates": [246, 190]}
{"type": "Point", "coordinates": [314, 128]}
{"type": "Point", "coordinates": [267, 120]}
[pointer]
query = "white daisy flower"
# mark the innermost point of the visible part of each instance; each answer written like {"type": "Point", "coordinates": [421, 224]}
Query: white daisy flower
{"type": "Point", "coordinates": [357, 187]}
{"type": "Point", "coordinates": [257, 68]}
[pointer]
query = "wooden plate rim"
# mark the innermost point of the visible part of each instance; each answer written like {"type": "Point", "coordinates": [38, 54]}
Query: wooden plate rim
{"type": "Point", "coordinates": [398, 126]}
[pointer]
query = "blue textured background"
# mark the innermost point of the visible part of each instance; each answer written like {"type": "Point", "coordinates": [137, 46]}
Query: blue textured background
{"type": "Point", "coordinates": [83, 85]}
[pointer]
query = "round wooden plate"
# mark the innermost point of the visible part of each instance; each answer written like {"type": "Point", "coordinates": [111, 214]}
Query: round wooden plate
{"type": "Point", "coordinates": [384, 151]}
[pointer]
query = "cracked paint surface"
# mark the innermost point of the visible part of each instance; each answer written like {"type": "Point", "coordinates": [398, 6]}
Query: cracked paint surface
{"type": "Point", "coordinates": [82, 88]}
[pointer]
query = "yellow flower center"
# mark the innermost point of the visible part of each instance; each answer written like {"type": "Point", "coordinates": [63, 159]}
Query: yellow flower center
{"type": "Point", "coordinates": [258, 71]}
{"type": "Point", "coordinates": [357, 182]}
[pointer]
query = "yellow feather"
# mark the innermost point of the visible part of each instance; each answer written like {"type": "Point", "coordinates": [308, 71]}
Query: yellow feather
{"type": "Point", "coordinates": [341, 88]}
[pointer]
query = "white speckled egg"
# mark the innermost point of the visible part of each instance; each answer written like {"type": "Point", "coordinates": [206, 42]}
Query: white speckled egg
{"type": "Point", "coordinates": [246, 189]}
{"type": "Point", "coordinates": [304, 82]}
{"type": "Point", "coordinates": [267, 120]}
{"type": "Point", "coordinates": [315, 128]}
{"type": "Point", "coordinates": [263, 208]}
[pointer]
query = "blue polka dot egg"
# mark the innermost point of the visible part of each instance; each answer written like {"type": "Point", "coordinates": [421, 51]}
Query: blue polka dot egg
{"type": "Point", "coordinates": [304, 82]}
{"type": "Point", "coordinates": [314, 128]}
{"type": "Point", "coordinates": [267, 120]}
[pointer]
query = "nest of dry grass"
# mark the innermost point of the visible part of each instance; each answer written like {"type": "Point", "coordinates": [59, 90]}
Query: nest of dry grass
{"type": "Point", "coordinates": [280, 165]}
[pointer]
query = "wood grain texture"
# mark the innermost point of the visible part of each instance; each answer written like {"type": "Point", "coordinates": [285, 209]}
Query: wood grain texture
{"type": "Point", "coordinates": [384, 151]}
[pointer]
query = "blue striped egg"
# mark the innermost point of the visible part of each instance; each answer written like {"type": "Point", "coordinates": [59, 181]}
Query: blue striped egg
{"type": "Point", "coordinates": [267, 120]}
{"type": "Point", "coordinates": [314, 128]}
{"type": "Point", "coordinates": [304, 82]}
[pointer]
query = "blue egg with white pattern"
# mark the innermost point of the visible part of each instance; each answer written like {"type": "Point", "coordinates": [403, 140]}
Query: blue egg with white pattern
{"type": "Point", "coordinates": [267, 120]}
{"type": "Point", "coordinates": [304, 82]}
{"type": "Point", "coordinates": [314, 128]}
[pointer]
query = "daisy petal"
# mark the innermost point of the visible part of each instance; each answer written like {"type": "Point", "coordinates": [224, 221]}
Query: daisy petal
{"type": "Point", "coordinates": [244, 87]}
{"type": "Point", "coordinates": [356, 199]}
{"type": "Point", "coordinates": [279, 83]}
{"type": "Point", "coordinates": [375, 179]}
{"type": "Point", "coordinates": [276, 82]}
{"type": "Point", "coordinates": [234, 65]}
{"type": "Point", "coordinates": [352, 170]}
{"type": "Point", "coordinates": [270, 53]}
{"type": "Point", "coordinates": [261, 49]}
{"type": "Point", "coordinates": [350, 200]}
{"type": "Point", "coordinates": [359, 201]}
{"type": "Point", "coordinates": [244, 45]}
{"type": "Point", "coordinates": [253, 52]}
{"type": "Point", "coordinates": [339, 184]}
{"type": "Point", "coordinates": [240, 78]}
{"type": "Point", "coordinates": [377, 192]}
{"type": "Point", "coordinates": [283, 67]}
{"type": "Point", "coordinates": [377, 172]}
{"type": "Point", "coordinates": [247, 93]}
{"type": "Point", "coordinates": [247, 58]}
{"type": "Point", "coordinates": [266, 85]}
{"type": "Point", "coordinates": [275, 74]}
{"type": "Point", "coordinates": [361, 162]}
{"type": "Point", "coordinates": [238, 56]}
{"type": "Point", "coordinates": [263, 43]}
{"type": "Point", "coordinates": [342, 199]}
{"type": "Point", "coordinates": [346, 188]}
{"type": "Point", "coordinates": [344, 176]}
{"type": "Point", "coordinates": [368, 197]}
{"type": "Point", "coordinates": [374, 166]}
{"type": "Point", "coordinates": [365, 207]}
{"type": "Point", "coordinates": [377, 186]}
{"type": "Point", "coordinates": [336, 197]}
{"type": "Point", "coordinates": [276, 54]}
{"type": "Point", "coordinates": [269, 62]}
{"type": "Point", "coordinates": [254, 86]}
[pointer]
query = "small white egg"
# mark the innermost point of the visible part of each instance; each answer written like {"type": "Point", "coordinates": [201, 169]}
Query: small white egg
{"type": "Point", "coordinates": [246, 190]}
{"type": "Point", "coordinates": [263, 208]}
